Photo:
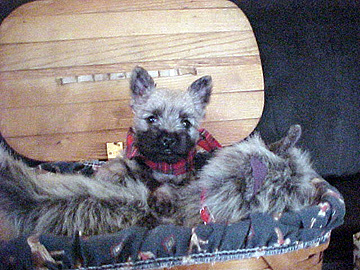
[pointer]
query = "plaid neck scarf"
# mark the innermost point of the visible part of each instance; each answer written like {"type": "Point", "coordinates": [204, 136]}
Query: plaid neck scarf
{"type": "Point", "coordinates": [206, 141]}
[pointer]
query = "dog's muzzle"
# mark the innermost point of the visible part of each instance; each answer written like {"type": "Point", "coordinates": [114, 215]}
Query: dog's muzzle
{"type": "Point", "coordinates": [183, 165]}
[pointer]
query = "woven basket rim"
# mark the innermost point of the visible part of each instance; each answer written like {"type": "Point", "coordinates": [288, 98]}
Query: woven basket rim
{"type": "Point", "coordinates": [314, 246]}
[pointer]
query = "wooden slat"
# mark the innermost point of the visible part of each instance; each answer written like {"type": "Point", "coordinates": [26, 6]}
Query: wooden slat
{"type": "Point", "coordinates": [311, 262]}
{"type": "Point", "coordinates": [40, 8]}
{"type": "Point", "coordinates": [241, 105]}
{"type": "Point", "coordinates": [317, 267]}
{"type": "Point", "coordinates": [91, 145]}
{"type": "Point", "coordinates": [260, 263]}
{"type": "Point", "coordinates": [126, 66]}
{"type": "Point", "coordinates": [126, 49]}
{"type": "Point", "coordinates": [113, 114]}
{"type": "Point", "coordinates": [298, 259]}
{"type": "Point", "coordinates": [65, 118]}
{"type": "Point", "coordinates": [246, 264]}
{"type": "Point", "coordinates": [104, 25]}
{"type": "Point", "coordinates": [27, 90]}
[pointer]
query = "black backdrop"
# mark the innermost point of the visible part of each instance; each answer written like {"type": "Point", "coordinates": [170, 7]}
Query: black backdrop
{"type": "Point", "coordinates": [310, 55]}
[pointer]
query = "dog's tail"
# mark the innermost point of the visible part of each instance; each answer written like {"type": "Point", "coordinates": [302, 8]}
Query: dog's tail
{"type": "Point", "coordinates": [63, 204]}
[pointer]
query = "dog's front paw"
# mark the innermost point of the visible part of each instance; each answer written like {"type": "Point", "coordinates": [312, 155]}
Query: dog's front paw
{"type": "Point", "coordinates": [162, 201]}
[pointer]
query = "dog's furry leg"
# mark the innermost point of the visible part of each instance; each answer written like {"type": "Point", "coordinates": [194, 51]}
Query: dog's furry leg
{"type": "Point", "coordinates": [62, 204]}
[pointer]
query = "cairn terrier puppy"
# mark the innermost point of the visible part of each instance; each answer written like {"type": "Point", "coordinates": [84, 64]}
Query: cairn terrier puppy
{"type": "Point", "coordinates": [250, 177]}
{"type": "Point", "coordinates": [160, 147]}
{"type": "Point", "coordinates": [135, 189]}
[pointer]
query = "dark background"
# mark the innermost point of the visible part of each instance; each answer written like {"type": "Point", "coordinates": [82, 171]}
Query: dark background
{"type": "Point", "coordinates": [310, 57]}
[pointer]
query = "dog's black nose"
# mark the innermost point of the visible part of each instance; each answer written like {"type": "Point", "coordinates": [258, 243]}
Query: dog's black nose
{"type": "Point", "coordinates": [168, 141]}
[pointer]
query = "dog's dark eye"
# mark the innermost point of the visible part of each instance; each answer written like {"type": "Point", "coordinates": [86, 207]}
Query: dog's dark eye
{"type": "Point", "coordinates": [151, 119]}
{"type": "Point", "coordinates": [186, 123]}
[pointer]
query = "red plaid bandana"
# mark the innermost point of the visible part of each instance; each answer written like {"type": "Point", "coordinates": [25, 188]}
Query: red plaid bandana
{"type": "Point", "coordinates": [206, 141]}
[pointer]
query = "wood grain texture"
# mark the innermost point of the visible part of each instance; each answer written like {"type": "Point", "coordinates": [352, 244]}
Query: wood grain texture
{"type": "Point", "coordinates": [105, 25]}
{"type": "Point", "coordinates": [44, 42]}
{"type": "Point", "coordinates": [54, 7]}
{"type": "Point", "coordinates": [136, 49]}
{"type": "Point", "coordinates": [290, 260]}
{"type": "Point", "coordinates": [245, 264]}
{"type": "Point", "coordinates": [304, 259]}
{"type": "Point", "coordinates": [80, 117]}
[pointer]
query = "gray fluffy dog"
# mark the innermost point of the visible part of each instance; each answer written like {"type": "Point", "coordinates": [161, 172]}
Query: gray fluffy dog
{"type": "Point", "coordinates": [126, 191]}
{"type": "Point", "coordinates": [250, 177]}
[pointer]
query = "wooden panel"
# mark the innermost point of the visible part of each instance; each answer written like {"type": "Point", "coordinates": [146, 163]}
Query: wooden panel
{"type": "Point", "coordinates": [53, 105]}
{"type": "Point", "coordinates": [53, 7]}
{"type": "Point", "coordinates": [126, 49]}
{"type": "Point", "coordinates": [105, 25]}
{"type": "Point", "coordinates": [90, 145]}
{"type": "Point", "coordinates": [107, 115]}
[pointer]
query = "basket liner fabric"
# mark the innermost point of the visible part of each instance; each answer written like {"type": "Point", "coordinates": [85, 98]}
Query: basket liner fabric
{"type": "Point", "coordinates": [169, 245]}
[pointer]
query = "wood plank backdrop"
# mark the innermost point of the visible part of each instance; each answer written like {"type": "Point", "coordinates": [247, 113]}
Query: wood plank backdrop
{"type": "Point", "coordinates": [64, 67]}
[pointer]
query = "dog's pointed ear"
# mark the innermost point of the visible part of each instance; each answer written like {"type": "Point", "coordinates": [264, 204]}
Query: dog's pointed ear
{"type": "Point", "coordinates": [141, 84]}
{"type": "Point", "coordinates": [281, 147]}
{"type": "Point", "coordinates": [201, 89]}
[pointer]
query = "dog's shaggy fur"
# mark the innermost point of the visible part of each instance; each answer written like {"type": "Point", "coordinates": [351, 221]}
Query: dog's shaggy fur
{"type": "Point", "coordinates": [227, 187]}
{"type": "Point", "coordinates": [62, 204]}
{"type": "Point", "coordinates": [125, 192]}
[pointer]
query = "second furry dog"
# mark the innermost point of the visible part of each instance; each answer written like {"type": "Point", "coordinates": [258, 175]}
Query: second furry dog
{"type": "Point", "coordinates": [250, 177]}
